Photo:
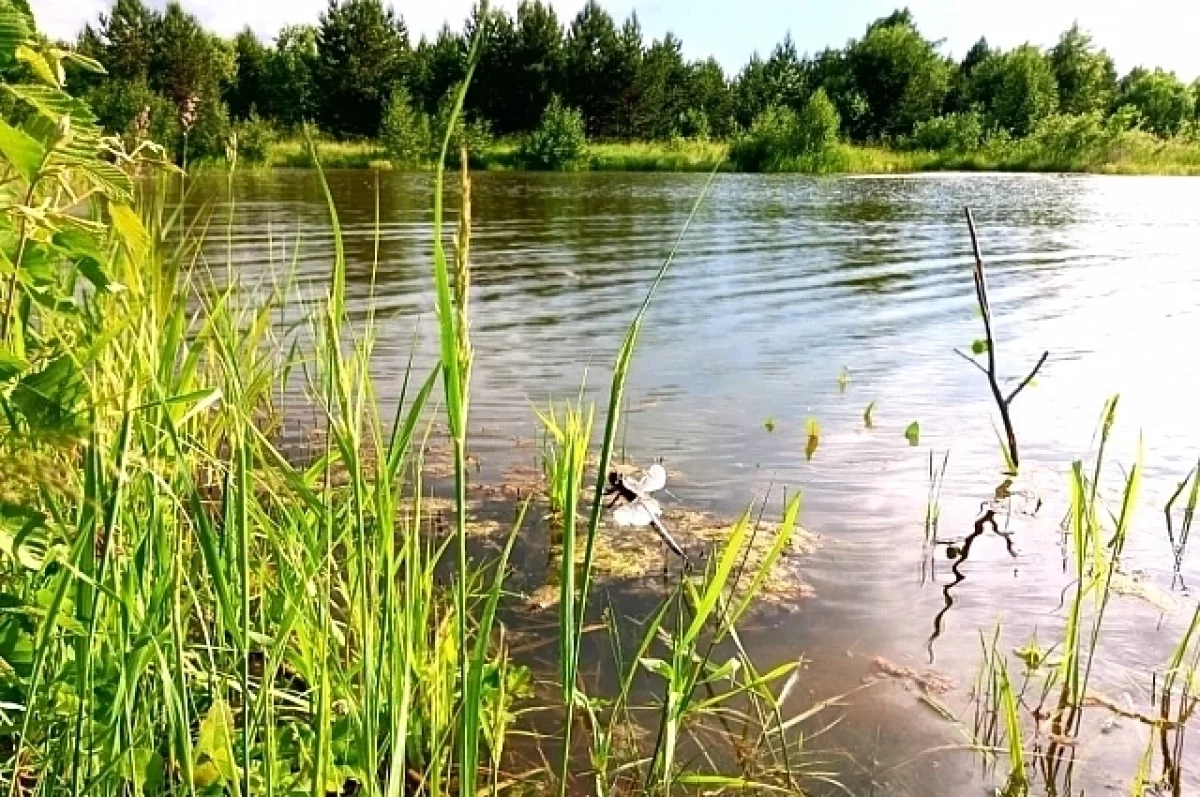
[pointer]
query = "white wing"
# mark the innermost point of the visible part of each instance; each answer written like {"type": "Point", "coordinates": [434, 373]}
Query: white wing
{"type": "Point", "coordinates": [654, 479]}
{"type": "Point", "coordinates": [633, 515]}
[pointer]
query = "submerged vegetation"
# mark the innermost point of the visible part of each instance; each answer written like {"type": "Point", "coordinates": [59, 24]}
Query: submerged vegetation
{"type": "Point", "coordinates": [551, 91]}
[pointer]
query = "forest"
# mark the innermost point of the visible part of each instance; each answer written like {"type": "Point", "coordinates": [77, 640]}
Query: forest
{"type": "Point", "coordinates": [545, 90]}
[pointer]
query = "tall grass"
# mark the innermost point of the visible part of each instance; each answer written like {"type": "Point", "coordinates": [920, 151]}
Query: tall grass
{"type": "Point", "coordinates": [189, 606]}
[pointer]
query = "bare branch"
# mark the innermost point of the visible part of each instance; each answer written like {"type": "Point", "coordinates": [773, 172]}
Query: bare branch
{"type": "Point", "coordinates": [1028, 379]}
{"type": "Point", "coordinates": [971, 360]}
{"type": "Point", "coordinates": [985, 310]}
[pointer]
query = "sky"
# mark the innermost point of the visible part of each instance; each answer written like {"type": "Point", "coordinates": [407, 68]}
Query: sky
{"type": "Point", "coordinates": [1135, 32]}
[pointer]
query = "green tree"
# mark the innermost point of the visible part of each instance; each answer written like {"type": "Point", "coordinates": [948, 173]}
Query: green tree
{"type": "Point", "coordinates": [601, 65]}
{"type": "Point", "coordinates": [709, 95]}
{"type": "Point", "coordinates": [361, 52]}
{"type": "Point", "coordinates": [900, 74]}
{"type": "Point", "coordinates": [406, 133]}
{"type": "Point", "coordinates": [560, 140]}
{"type": "Point", "coordinates": [959, 99]}
{"type": "Point", "coordinates": [538, 62]}
{"type": "Point", "coordinates": [781, 80]}
{"type": "Point", "coordinates": [491, 92]}
{"type": "Point", "coordinates": [1087, 79]}
{"type": "Point", "coordinates": [435, 67]}
{"type": "Point", "coordinates": [1163, 100]}
{"type": "Point", "coordinates": [661, 89]}
{"type": "Point", "coordinates": [247, 91]}
{"type": "Point", "coordinates": [818, 124]}
{"type": "Point", "coordinates": [128, 35]}
{"type": "Point", "coordinates": [289, 94]}
{"type": "Point", "coordinates": [1016, 89]}
{"type": "Point", "coordinates": [191, 68]}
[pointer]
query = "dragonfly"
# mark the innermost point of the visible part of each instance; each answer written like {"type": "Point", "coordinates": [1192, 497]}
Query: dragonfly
{"type": "Point", "coordinates": [633, 505]}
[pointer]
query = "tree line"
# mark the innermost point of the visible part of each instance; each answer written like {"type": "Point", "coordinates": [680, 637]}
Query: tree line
{"type": "Point", "coordinates": [357, 71]}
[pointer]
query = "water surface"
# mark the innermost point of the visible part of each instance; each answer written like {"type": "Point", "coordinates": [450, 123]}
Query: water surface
{"type": "Point", "coordinates": [781, 284]}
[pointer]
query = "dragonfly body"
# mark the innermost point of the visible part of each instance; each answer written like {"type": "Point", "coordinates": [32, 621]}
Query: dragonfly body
{"type": "Point", "coordinates": [637, 507]}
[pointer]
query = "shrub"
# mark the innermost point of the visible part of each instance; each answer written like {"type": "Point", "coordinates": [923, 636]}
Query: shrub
{"type": "Point", "coordinates": [406, 134]}
{"type": "Point", "coordinates": [560, 141]}
{"type": "Point", "coordinates": [779, 135]}
{"type": "Point", "coordinates": [768, 141]}
{"type": "Point", "coordinates": [954, 132]}
{"type": "Point", "coordinates": [818, 125]}
{"type": "Point", "coordinates": [254, 139]}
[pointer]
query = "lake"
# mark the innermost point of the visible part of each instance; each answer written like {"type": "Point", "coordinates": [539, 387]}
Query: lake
{"type": "Point", "coordinates": [782, 285]}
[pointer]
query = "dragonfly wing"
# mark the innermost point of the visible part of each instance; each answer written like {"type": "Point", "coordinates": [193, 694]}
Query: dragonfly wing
{"type": "Point", "coordinates": [651, 506]}
{"type": "Point", "coordinates": [633, 515]}
{"type": "Point", "coordinates": [654, 479]}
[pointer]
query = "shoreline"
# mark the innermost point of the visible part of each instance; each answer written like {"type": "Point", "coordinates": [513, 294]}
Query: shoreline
{"type": "Point", "coordinates": [1166, 158]}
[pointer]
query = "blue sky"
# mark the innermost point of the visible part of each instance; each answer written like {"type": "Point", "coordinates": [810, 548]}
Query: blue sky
{"type": "Point", "coordinates": [1149, 32]}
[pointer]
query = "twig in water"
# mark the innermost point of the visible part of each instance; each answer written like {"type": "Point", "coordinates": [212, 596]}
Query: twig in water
{"type": "Point", "coordinates": [985, 309]}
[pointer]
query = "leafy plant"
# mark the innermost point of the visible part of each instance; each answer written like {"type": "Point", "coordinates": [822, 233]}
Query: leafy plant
{"type": "Point", "coordinates": [559, 142]}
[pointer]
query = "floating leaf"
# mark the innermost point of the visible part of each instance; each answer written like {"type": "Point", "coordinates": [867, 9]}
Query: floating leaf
{"type": "Point", "coordinates": [913, 434]}
{"type": "Point", "coordinates": [814, 439]}
{"type": "Point", "coordinates": [769, 424]}
{"type": "Point", "coordinates": [979, 346]}
{"type": "Point", "coordinates": [869, 416]}
{"type": "Point", "coordinates": [843, 379]}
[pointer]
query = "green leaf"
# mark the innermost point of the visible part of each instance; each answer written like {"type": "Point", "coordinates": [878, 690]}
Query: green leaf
{"type": "Point", "coordinates": [10, 364]}
{"type": "Point", "coordinates": [133, 235]}
{"type": "Point", "coordinates": [913, 434]}
{"type": "Point", "coordinates": [40, 66]}
{"type": "Point", "coordinates": [215, 744]}
{"type": "Point", "coordinates": [656, 666]}
{"type": "Point", "coordinates": [769, 424]}
{"type": "Point", "coordinates": [145, 771]}
{"type": "Point", "coordinates": [21, 150]}
{"type": "Point", "coordinates": [82, 61]}
{"type": "Point", "coordinates": [50, 398]}
{"type": "Point", "coordinates": [979, 346]}
{"type": "Point", "coordinates": [14, 30]}
{"type": "Point", "coordinates": [869, 416]}
{"type": "Point", "coordinates": [54, 103]}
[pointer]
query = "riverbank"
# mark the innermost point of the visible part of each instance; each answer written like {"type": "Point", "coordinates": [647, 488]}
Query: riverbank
{"type": "Point", "coordinates": [1134, 154]}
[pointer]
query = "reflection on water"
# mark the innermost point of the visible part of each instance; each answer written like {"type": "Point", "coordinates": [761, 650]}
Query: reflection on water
{"type": "Point", "coordinates": [783, 282]}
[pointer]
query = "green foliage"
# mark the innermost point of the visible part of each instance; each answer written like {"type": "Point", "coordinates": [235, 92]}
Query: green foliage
{"type": "Point", "coordinates": [255, 138]}
{"type": "Point", "coordinates": [601, 64]}
{"type": "Point", "coordinates": [248, 86]}
{"type": "Point", "coordinates": [1016, 89]}
{"type": "Point", "coordinates": [1164, 101]}
{"type": "Point", "coordinates": [900, 75]}
{"type": "Point", "coordinates": [474, 134]}
{"type": "Point", "coordinates": [560, 142]}
{"type": "Point", "coordinates": [953, 132]}
{"type": "Point", "coordinates": [780, 135]}
{"type": "Point", "coordinates": [361, 52]}
{"type": "Point", "coordinates": [818, 124]}
{"type": "Point", "coordinates": [661, 88]}
{"type": "Point", "coordinates": [1087, 78]}
{"type": "Point", "coordinates": [289, 88]}
{"type": "Point", "coordinates": [406, 133]}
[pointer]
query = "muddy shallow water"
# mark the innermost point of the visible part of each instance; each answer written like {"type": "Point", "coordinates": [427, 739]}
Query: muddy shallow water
{"type": "Point", "coordinates": [782, 283]}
